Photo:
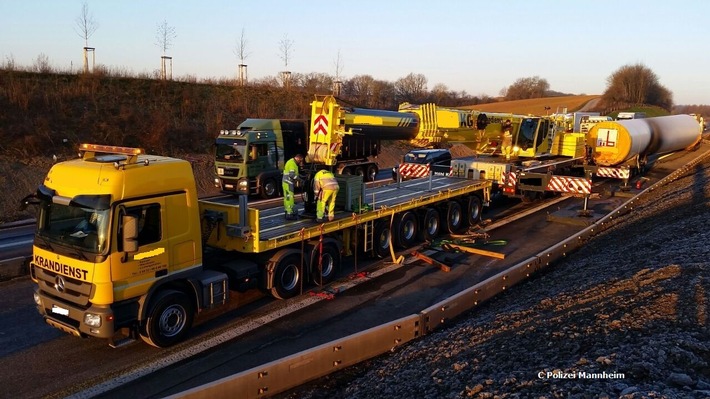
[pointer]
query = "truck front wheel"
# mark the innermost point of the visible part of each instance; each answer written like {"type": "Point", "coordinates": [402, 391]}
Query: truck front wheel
{"type": "Point", "coordinates": [269, 189]}
{"type": "Point", "coordinates": [169, 319]}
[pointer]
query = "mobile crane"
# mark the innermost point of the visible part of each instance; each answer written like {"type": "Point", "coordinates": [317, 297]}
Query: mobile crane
{"type": "Point", "coordinates": [121, 240]}
{"type": "Point", "coordinates": [250, 158]}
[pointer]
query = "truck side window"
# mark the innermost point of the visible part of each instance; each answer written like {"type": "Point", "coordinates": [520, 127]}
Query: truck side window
{"type": "Point", "coordinates": [148, 223]}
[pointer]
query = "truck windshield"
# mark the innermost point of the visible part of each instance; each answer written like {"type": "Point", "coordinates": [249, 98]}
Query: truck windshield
{"type": "Point", "coordinates": [413, 157]}
{"type": "Point", "coordinates": [74, 225]}
{"type": "Point", "coordinates": [231, 150]}
{"type": "Point", "coordinates": [526, 136]}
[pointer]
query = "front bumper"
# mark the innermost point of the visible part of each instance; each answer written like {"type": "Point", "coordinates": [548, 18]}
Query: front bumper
{"type": "Point", "coordinates": [70, 318]}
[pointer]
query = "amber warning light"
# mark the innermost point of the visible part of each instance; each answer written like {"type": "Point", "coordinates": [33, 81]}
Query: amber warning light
{"type": "Point", "coordinates": [108, 149]}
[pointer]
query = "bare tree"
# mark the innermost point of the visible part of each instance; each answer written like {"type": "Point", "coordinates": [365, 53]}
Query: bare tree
{"type": "Point", "coordinates": [164, 39]}
{"type": "Point", "coordinates": [636, 84]}
{"type": "Point", "coordinates": [524, 88]}
{"type": "Point", "coordinates": [411, 88]}
{"type": "Point", "coordinates": [285, 49]}
{"type": "Point", "coordinates": [338, 83]}
{"type": "Point", "coordinates": [240, 49]}
{"type": "Point", "coordinates": [338, 64]}
{"type": "Point", "coordinates": [86, 25]}
{"type": "Point", "coordinates": [164, 36]}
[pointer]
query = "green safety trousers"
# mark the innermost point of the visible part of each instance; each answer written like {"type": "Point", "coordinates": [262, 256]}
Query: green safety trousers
{"type": "Point", "coordinates": [289, 197]}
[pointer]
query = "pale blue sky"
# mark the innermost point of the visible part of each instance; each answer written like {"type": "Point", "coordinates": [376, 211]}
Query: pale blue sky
{"type": "Point", "coordinates": [472, 45]}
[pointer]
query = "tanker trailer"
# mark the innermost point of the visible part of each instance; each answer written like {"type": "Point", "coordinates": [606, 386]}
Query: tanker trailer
{"type": "Point", "coordinates": [631, 142]}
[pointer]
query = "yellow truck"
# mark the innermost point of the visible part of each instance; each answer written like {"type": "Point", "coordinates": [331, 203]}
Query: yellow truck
{"type": "Point", "coordinates": [121, 240]}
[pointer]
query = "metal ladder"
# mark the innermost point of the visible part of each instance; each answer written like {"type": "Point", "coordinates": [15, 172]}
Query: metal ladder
{"type": "Point", "coordinates": [369, 236]}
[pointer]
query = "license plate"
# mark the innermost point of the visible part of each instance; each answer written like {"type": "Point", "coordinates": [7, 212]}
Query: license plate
{"type": "Point", "coordinates": [228, 186]}
{"type": "Point", "coordinates": [56, 309]}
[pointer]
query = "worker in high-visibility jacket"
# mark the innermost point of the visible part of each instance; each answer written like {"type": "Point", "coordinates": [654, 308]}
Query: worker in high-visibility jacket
{"type": "Point", "coordinates": [326, 189]}
{"type": "Point", "coordinates": [507, 143]}
{"type": "Point", "coordinates": [290, 177]}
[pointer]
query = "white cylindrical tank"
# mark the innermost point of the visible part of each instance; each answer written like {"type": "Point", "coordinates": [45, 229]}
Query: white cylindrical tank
{"type": "Point", "coordinates": [616, 142]}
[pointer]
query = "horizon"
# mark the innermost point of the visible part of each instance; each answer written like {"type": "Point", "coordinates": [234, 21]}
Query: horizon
{"type": "Point", "coordinates": [449, 44]}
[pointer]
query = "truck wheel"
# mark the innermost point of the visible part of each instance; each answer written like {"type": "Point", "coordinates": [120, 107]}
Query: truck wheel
{"type": "Point", "coordinates": [431, 224]}
{"type": "Point", "coordinates": [269, 189]}
{"type": "Point", "coordinates": [360, 171]}
{"type": "Point", "coordinates": [405, 229]}
{"type": "Point", "coordinates": [287, 277]}
{"type": "Point", "coordinates": [474, 210]}
{"type": "Point", "coordinates": [330, 263]}
{"type": "Point", "coordinates": [372, 172]}
{"type": "Point", "coordinates": [454, 217]}
{"type": "Point", "coordinates": [169, 319]}
{"type": "Point", "coordinates": [381, 244]}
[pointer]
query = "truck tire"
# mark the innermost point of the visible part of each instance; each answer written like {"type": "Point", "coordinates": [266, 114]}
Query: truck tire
{"type": "Point", "coordinates": [431, 225]}
{"type": "Point", "coordinates": [405, 229]}
{"type": "Point", "coordinates": [360, 171]}
{"type": "Point", "coordinates": [454, 217]}
{"type": "Point", "coordinates": [287, 277]}
{"type": "Point", "coordinates": [372, 172]}
{"type": "Point", "coordinates": [330, 264]}
{"type": "Point", "coordinates": [381, 239]}
{"type": "Point", "coordinates": [169, 319]}
{"type": "Point", "coordinates": [269, 189]}
{"type": "Point", "coordinates": [474, 210]}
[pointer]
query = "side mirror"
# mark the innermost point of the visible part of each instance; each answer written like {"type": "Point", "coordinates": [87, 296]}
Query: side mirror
{"type": "Point", "coordinates": [29, 200]}
{"type": "Point", "coordinates": [130, 234]}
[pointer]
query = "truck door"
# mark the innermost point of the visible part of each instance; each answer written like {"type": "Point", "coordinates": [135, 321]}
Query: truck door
{"type": "Point", "coordinates": [133, 274]}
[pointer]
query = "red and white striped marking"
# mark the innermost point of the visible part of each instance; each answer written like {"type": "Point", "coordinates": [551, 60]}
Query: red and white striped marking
{"type": "Point", "coordinates": [509, 179]}
{"type": "Point", "coordinates": [413, 170]}
{"type": "Point", "coordinates": [566, 184]}
{"type": "Point", "coordinates": [616, 173]}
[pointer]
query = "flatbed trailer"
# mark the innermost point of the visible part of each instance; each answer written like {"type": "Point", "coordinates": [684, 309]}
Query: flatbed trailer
{"type": "Point", "coordinates": [267, 230]}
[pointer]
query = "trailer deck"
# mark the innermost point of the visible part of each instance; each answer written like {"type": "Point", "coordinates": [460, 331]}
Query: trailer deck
{"type": "Point", "coordinates": [270, 230]}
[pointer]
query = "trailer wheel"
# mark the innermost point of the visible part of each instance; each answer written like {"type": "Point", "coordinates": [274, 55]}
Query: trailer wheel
{"type": "Point", "coordinates": [405, 229]}
{"type": "Point", "coordinates": [474, 210]}
{"type": "Point", "coordinates": [454, 217]}
{"type": "Point", "coordinates": [381, 239]}
{"type": "Point", "coordinates": [287, 277]}
{"type": "Point", "coordinates": [372, 172]}
{"type": "Point", "coordinates": [431, 225]}
{"type": "Point", "coordinates": [169, 319]}
{"type": "Point", "coordinates": [269, 189]}
{"type": "Point", "coordinates": [330, 263]}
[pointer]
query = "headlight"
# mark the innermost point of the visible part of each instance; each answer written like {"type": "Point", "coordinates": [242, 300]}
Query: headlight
{"type": "Point", "coordinates": [217, 183]}
{"type": "Point", "coordinates": [92, 320]}
{"type": "Point", "coordinates": [243, 186]}
{"type": "Point", "coordinates": [38, 302]}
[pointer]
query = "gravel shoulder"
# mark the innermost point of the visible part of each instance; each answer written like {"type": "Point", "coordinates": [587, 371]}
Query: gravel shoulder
{"type": "Point", "coordinates": [624, 317]}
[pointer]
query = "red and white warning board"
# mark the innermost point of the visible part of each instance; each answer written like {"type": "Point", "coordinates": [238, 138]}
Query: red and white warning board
{"type": "Point", "coordinates": [509, 179]}
{"type": "Point", "coordinates": [616, 173]}
{"type": "Point", "coordinates": [413, 170]}
{"type": "Point", "coordinates": [566, 184]}
{"type": "Point", "coordinates": [320, 125]}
